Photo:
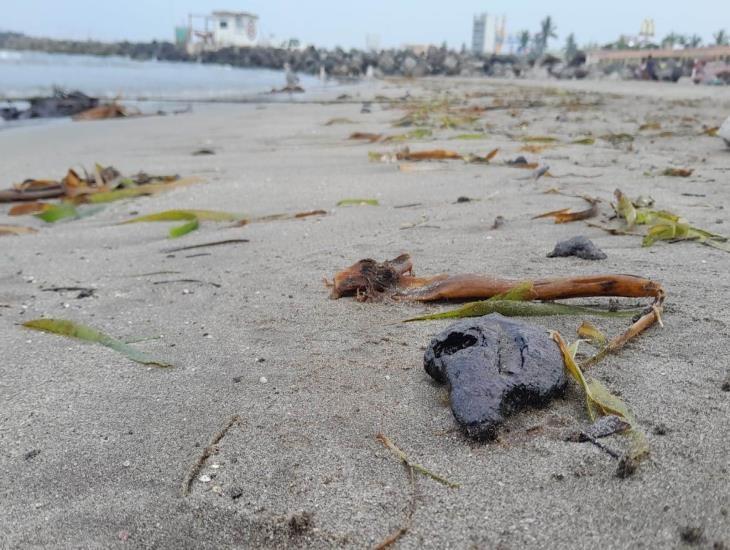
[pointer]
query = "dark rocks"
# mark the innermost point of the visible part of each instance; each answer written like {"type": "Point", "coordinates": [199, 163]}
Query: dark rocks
{"type": "Point", "coordinates": [580, 246]}
{"type": "Point", "coordinates": [60, 104]}
{"type": "Point", "coordinates": [495, 367]}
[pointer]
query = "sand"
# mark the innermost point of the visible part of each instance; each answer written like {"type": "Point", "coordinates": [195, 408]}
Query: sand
{"type": "Point", "coordinates": [95, 449]}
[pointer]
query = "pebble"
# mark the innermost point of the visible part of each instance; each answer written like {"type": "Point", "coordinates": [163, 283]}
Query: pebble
{"type": "Point", "coordinates": [186, 291]}
{"type": "Point", "coordinates": [126, 463]}
{"type": "Point", "coordinates": [205, 478]}
{"type": "Point", "coordinates": [263, 380]}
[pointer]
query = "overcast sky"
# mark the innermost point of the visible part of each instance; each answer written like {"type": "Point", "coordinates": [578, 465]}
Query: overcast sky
{"type": "Point", "coordinates": [346, 22]}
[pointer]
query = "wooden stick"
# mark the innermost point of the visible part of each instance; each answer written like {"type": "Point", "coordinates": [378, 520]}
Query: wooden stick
{"type": "Point", "coordinates": [371, 280]}
{"type": "Point", "coordinates": [209, 450]}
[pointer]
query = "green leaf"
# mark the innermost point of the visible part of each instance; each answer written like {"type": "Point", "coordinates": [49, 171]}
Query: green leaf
{"type": "Point", "coordinates": [539, 139]}
{"type": "Point", "coordinates": [589, 332]}
{"type": "Point", "coordinates": [55, 212]}
{"type": "Point", "coordinates": [471, 136]}
{"type": "Point", "coordinates": [584, 141]}
{"type": "Point", "coordinates": [625, 208]}
{"type": "Point", "coordinates": [64, 327]}
{"type": "Point", "coordinates": [669, 230]}
{"type": "Point", "coordinates": [516, 308]}
{"type": "Point", "coordinates": [615, 139]}
{"type": "Point", "coordinates": [358, 202]}
{"type": "Point", "coordinates": [175, 215]}
{"type": "Point", "coordinates": [192, 217]}
{"type": "Point", "coordinates": [130, 189]}
{"type": "Point", "coordinates": [418, 133]}
{"type": "Point", "coordinates": [601, 402]}
{"type": "Point", "coordinates": [520, 292]}
{"type": "Point", "coordinates": [184, 229]}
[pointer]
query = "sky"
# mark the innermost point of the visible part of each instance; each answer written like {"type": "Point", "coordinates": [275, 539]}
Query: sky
{"type": "Point", "coordinates": [346, 23]}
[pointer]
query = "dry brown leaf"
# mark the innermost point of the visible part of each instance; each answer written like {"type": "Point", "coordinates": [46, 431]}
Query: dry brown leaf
{"type": "Point", "coordinates": [532, 148]}
{"type": "Point", "coordinates": [35, 185]}
{"type": "Point", "coordinates": [678, 172]}
{"type": "Point", "coordinates": [434, 154]}
{"type": "Point", "coordinates": [565, 215]}
{"type": "Point", "coordinates": [113, 110]}
{"type": "Point", "coordinates": [310, 213]}
{"type": "Point", "coordinates": [650, 126]}
{"type": "Point", "coordinates": [419, 167]}
{"type": "Point", "coordinates": [72, 179]}
{"type": "Point", "coordinates": [28, 208]}
{"type": "Point", "coordinates": [16, 230]}
{"type": "Point", "coordinates": [367, 136]}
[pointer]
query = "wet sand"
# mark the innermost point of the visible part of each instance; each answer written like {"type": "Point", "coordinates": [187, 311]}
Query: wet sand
{"type": "Point", "coordinates": [96, 449]}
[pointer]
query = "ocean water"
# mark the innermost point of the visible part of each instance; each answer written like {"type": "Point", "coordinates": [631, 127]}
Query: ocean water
{"type": "Point", "coordinates": [25, 74]}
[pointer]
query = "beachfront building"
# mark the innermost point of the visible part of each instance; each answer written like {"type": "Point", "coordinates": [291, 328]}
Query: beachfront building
{"type": "Point", "coordinates": [220, 29]}
{"type": "Point", "coordinates": [488, 34]}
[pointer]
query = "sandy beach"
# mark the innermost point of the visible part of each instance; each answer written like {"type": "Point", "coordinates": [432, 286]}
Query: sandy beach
{"type": "Point", "coordinates": [96, 449]}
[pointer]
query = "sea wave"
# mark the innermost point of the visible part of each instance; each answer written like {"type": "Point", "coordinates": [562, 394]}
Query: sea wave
{"type": "Point", "coordinates": [25, 74]}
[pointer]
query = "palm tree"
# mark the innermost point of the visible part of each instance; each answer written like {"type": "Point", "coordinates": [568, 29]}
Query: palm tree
{"type": "Point", "coordinates": [694, 41]}
{"type": "Point", "coordinates": [547, 31]}
{"type": "Point", "coordinates": [671, 40]}
{"type": "Point", "coordinates": [571, 47]}
{"type": "Point", "coordinates": [523, 41]}
{"type": "Point", "coordinates": [720, 38]}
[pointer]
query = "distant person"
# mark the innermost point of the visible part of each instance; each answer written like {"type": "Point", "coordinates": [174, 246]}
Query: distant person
{"type": "Point", "coordinates": [698, 71]}
{"type": "Point", "coordinates": [292, 80]}
{"type": "Point", "coordinates": [651, 68]}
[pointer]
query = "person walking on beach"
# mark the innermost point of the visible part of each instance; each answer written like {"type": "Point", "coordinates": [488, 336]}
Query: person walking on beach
{"type": "Point", "coordinates": [651, 68]}
{"type": "Point", "coordinates": [292, 80]}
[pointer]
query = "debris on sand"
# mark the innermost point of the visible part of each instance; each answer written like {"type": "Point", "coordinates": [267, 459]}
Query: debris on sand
{"type": "Point", "coordinates": [603, 427]}
{"type": "Point", "coordinates": [59, 104]}
{"type": "Point", "coordinates": [102, 184]}
{"type": "Point", "coordinates": [295, 89]}
{"type": "Point", "coordinates": [408, 462]}
{"type": "Point", "coordinates": [579, 246]}
{"type": "Point", "coordinates": [102, 112]}
{"type": "Point", "coordinates": [565, 215]}
{"type": "Point", "coordinates": [663, 225]}
{"type": "Point", "coordinates": [724, 131]}
{"type": "Point", "coordinates": [192, 219]}
{"type": "Point", "coordinates": [370, 280]}
{"type": "Point", "coordinates": [71, 329]}
{"type": "Point", "coordinates": [16, 230]}
{"type": "Point", "coordinates": [678, 172]}
{"type": "Point", "coordinates": [494, 367]}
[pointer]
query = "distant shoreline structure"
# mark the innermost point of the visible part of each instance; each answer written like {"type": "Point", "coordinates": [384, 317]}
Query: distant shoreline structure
{"type": "Point", "coordinates": [407, 61]}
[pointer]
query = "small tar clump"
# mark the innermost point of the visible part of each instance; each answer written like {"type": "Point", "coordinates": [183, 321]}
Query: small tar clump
{"type": "Point", "coordinates": [691, 535]}
{"type": "Point", "coordinates": [580, 247]}
{"type": "Point", "coordinates": [300, 523]}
